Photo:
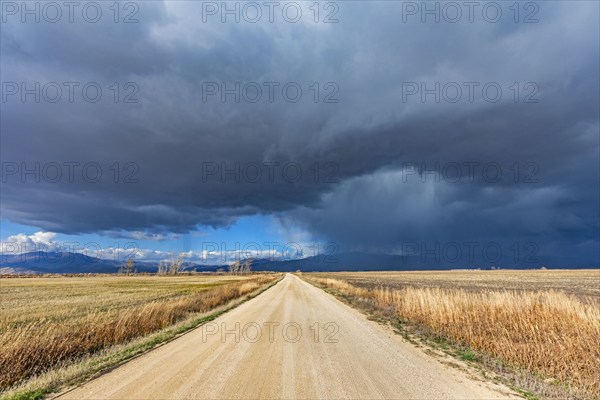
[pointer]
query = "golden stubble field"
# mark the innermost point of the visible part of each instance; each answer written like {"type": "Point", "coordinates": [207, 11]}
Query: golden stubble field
{"type": "Point", "coordinates": [581, 283]}
{"type": "Point", "coordinates": [53, 322]}
{"type": "Point", "coordinates": [545, 322]}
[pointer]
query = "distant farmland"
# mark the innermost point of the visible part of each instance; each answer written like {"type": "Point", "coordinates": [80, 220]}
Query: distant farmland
{"type": "Point", "coordinates": [580, 283]}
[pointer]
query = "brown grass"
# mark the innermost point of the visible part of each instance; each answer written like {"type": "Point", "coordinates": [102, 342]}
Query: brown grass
{"type": "Point", "coordinates": [52, 322]}
{"type": "Point", "coordinates": [545, 331]}
{"type": "Point", "coordinates": [581, 283]}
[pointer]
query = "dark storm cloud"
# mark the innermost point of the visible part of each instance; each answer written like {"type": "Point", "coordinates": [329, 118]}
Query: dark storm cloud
{"type": "Point", "coordinates": [174, 139]}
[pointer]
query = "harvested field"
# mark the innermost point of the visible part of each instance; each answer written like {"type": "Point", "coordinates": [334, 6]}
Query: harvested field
{"type": "Point", "coordinates": [580, 283]}
{"type": "Point", "coordinates": [52, 322]}
{"type": "Point", "coordinates": [546, 322]}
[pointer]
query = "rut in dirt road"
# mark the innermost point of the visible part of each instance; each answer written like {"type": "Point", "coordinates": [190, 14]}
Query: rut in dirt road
{"type": "Point", "coordinates": [292, 341]}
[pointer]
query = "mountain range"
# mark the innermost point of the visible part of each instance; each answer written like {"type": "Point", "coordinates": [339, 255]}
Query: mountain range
{"type": "Point", "coordinates": [70, 263]}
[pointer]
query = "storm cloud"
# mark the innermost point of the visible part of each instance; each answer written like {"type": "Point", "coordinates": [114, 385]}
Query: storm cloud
{"type": "Point", "coordinates": [399, 133]}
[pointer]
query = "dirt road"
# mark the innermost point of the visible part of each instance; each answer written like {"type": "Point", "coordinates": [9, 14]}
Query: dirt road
{"type": "Point", "coordinates": [293, 341]}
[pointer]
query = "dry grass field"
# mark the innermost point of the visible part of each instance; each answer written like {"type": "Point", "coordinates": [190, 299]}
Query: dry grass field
{"type": "Point", "coordinates": [51, 322]}
{"type": "Point", "coordinates": [581, 283]}
{"type": "Point", "coordinates": [545, 322]}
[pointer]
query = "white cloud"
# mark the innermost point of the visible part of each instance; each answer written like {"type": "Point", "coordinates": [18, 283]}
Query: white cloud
{"type": "Point", "coordinates": [22, 243]}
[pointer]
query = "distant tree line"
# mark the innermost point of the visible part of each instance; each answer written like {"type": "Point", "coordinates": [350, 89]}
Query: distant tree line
{"type": "Point", "coordinates": [174, 266]}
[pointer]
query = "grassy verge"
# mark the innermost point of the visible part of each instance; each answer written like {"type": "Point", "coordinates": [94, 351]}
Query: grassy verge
{"type": "Point", "coordinates": [540, 343]}
{"type": "Point", "coordinates": [74, 371]}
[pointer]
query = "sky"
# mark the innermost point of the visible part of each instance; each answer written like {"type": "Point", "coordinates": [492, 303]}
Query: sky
{"type": "Point", "coordinates": [378, 126]}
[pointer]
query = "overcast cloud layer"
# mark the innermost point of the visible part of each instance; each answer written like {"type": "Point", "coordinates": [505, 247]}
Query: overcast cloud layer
{"type": "Point", "coordinates": [357, 155]}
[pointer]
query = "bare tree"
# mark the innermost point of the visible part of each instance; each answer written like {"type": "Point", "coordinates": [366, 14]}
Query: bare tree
{"type": "Point", "coordinates": [162, 268]}
{"type": "Point", "coordinates": [127, 268]}
{"type": "Point", "coordinates": [240, 267]}
{"type": "Point", "coordinates": [175, 265]}
{"type": "Point", "coordinates": [246, 267]}
{"type": "Point", "coordinates": [233, 268]}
